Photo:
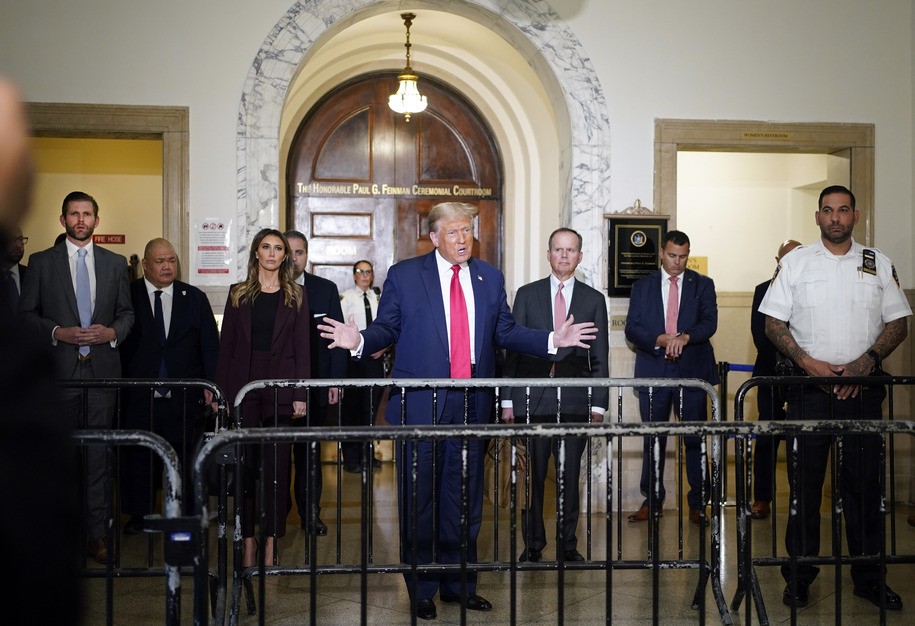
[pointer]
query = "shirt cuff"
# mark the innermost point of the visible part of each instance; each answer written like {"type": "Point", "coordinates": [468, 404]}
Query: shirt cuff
{"type": "Point", "coordinates": [550, 348]}
{"type": "Point", "coordinates": [357, 352]}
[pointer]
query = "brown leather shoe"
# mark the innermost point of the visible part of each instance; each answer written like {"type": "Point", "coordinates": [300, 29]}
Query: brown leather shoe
{"type": "Point", "coordinates": [911, 520]}
{"type": "Point", "coordinates": [695, 517]}
{"type": "Point", "coordinates": [642, 514]}
{"type": "Point", "coordinates": [760, 509]}
{"type": "Point", "coordinates": [97, 549]}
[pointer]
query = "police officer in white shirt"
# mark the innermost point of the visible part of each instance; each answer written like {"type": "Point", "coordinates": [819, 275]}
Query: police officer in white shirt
{"type": "Point", "coordinates": [836, 308]}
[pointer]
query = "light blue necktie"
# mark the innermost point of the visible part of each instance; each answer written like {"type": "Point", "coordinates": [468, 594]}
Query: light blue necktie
{"type": "Point", "coordinates": [83, 297]}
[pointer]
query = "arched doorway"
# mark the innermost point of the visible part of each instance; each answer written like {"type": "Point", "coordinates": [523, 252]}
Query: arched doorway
{"type": "Point", "coordinates": [361, 180]}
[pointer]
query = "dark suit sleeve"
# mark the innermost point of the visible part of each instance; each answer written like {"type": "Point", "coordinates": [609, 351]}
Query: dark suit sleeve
{"type": "Point", "coordinates": [757, 319]}
{"type": "Point", "coordinates": [123, 312]}
{"type": "Point", "coordinates": [30, 310]}
{"type": "Point", "coordinates": [600, 352]}
{"type": "Point", "coordinates": [227, 346]}
{"type": "Point", "coordinates": [302, 339]}
{"type": "Point", "coordinates": [707, 320]}
{"type": "Point", "coordinates": [637, 329]}
{"type": "Point", "coordinates": [338, 356]}
{"type": "Point", "coordinates": [208, 339]}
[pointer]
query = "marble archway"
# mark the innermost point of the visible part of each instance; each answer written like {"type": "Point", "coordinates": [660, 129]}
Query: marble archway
{"type": "Point", "coordinates": [581, 111]}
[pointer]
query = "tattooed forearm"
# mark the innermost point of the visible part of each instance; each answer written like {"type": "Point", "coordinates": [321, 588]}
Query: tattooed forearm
{"type": "Point", "coordinates": [890, 337]}
{"type": "Point", "coordinates": [778, 333]}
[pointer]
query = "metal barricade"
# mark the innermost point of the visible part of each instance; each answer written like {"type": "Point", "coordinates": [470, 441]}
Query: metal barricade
{"type": "Point", "coordinates": [376, 556]}
{"type": "Point", "coordinates": [174, 532]}
{"type": "Point", "coordinates": [795, 432]}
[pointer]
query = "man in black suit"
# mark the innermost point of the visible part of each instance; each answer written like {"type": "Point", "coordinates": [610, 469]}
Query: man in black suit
{"type": "Point", "coordinates": [323, 300]}
{"type": "Point", "coordinates": [76, 295]}
{"type": "Point", "coordinates": [12, 272]}
{"type": "Point", "coordinates": [545, 304]}
{"type": "Point", "coordinates": [174, 336]}
{"type": "Point", "coordinates": [768, 400]}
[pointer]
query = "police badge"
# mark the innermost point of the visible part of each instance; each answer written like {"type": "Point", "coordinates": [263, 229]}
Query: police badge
{"type": "Point", "coordinates": [869, 262]}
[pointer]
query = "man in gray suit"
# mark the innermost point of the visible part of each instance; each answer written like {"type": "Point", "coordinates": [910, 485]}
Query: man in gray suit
{"type": "Point", "coordinates": [77, 296]}
{"type": "Point", "coordinates": [545, 304]}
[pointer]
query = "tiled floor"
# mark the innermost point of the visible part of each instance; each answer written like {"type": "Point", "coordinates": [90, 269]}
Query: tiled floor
{"type": "Point", "coordinates": [140, 601]}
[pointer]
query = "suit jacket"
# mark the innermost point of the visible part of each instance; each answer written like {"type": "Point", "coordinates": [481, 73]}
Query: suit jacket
{"type": "Point", "coordinates": [765, 349]}
{"type": "Point", "coordinates": [411, 315]}
{"type": "Point", "coordinates": [189, 351]}
{"type": "Point", "coordinates": [324, 300]}
{"type": "Point", "coordinates": [290, 349]}
{"type": "Point", "coordinates": [534, 308]}
{"type": "Point", "coordinates": [48, 300]}
{"type": "Point", "coordinates": [698, 317]}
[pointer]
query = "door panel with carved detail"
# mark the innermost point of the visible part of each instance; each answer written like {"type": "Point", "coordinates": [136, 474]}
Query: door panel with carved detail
{"type": "Point", "coordinates": [361, 180]}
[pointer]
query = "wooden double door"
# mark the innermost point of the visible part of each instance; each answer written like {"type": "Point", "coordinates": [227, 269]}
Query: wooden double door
{"type": "Point", "coordinates": [361, 180]}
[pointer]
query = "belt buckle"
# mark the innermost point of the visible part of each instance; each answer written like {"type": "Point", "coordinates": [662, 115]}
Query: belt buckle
{"type": "Point", "coordinates": [84, 358]}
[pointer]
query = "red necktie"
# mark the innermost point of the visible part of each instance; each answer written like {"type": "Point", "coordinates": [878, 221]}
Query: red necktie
{"type": "Point", "coordinates": [559, 309]}
{"type": "Point", "coordinates": [673, 307]}
{"type": "Point", "coordinates": [460, 329]}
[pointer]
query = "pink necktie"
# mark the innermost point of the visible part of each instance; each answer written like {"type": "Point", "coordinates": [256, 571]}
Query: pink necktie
{"type": "Point", "coordinates": [460, 329]}
{"type": "Point", "coordinates": [559, 309]}
{"type": "Point", "coordinates": [673, 306]}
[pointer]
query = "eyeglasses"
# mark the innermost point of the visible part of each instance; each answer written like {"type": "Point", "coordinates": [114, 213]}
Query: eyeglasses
{"type": "Point", "coordinates": [362, 271]}
{"type": "Point", "coordinates": [24, 240]}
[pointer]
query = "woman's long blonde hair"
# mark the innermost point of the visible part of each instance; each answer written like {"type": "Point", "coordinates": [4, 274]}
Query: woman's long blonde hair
{"type": "Point", "coordinates": [248, 290]}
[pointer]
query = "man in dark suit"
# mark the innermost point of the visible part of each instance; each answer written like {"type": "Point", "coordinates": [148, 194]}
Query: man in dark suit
{"type": "Point", "coordinates": [12, 272]}
{"type": "Point", "coordinates": [673, 313]}
{"type": "Point", "coordinates": [545, 304]}
{"type": "Point", "coordinates": [174, 336]}
{"type": "Point", "coordinates": [76, 295]}
{"type": "Point", "coordinates": [323, 300]}
{"type": "Point", "coordinates": [768, 399]}
{"type": "Point", "coordinates": [426, 310]}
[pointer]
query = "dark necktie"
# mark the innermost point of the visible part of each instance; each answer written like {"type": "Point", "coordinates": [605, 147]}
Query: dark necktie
{"type": "Point", "coordinates": [159, 317]}
{"type": "Point", "coordinates": [460, 329]}
{"type": "Point", "coordinates": [368, 309]}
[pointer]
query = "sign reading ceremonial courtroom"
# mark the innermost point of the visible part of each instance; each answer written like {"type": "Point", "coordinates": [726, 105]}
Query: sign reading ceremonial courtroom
{"type": "Point", "coordinates": [381, 189]}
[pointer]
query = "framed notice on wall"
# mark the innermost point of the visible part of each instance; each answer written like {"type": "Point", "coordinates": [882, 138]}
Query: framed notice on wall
{"type": "Point", "coordinates": [633, 245]}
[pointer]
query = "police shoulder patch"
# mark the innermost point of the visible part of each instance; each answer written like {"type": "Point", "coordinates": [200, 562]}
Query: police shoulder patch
{"type": "Point", "coordinates": [895, 276]}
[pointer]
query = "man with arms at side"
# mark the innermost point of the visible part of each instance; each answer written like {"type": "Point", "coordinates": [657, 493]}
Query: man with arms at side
{"type": "Point", "coordinates": [769, 400]}
{"type": "Point", "coordinates": [76, 294]}
{"type": "Point", "coordinates": [835, 308]}
{"type": "Point", "coordinates": [545, 304]}
{"type": "Point", "coordinates": [432, 306]}
{"type": "Point", "coordinates": [323, 301]}
{"type": "Point", "coordinates": [361, 406]}
{"type": "Point", "coordinates": [673, 313]}
{"type": "Point", "coordinates": [12, 272]}
{"type": "Point", "coordinates": [174, 336]}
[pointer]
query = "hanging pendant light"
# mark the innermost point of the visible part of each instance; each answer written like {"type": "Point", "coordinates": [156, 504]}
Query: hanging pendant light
{"type": "Point", "coordinates": [407, 100]}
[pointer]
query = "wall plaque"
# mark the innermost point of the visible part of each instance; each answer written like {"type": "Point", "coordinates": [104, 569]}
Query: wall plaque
{"type": "Point", "coordinates": [633, 245]}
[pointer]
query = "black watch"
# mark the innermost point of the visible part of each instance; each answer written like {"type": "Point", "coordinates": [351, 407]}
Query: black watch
{"type": "Point", "coordinates": [876, 357]}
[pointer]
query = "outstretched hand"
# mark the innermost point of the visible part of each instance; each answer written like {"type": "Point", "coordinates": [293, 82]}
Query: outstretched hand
{"type": "Point", "coordinates": [341, 335]}
{"type": "Point", "coordinates": [572, 335]}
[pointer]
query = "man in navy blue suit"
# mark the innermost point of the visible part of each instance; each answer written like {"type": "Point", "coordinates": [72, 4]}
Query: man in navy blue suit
{"type": "Point", "coordinates": [188, 349]}
{"type": "Point", "coordinates": [673, 314]}
{"type": "Point", "coordinates": [419, 313]}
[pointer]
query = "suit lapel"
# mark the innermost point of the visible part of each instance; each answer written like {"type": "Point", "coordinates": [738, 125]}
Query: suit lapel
{"type": "Point", "coordinates": [283, 316]}
{"type": "Point", "coordinates": [102, 269]}
{"type": "Point", "coordinates": [433, 287]}
{"type": "Point", "coordinates": [180, 306]}
{"type": "Point", "coordinates": [61, 266]}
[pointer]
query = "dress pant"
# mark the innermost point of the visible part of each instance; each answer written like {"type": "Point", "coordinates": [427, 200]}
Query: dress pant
{"type": "Point", "coordinates": [859, 475]}
{"type": "Point", "coordinates": [360, 407]}
{"type": "Point", "coordinates": [771, 407]}
{"type": "Point", "coordinates": [141, 470]}
{"type": "Point", "coordinates": [655, 407]}
{"type": "Point", "coordinates": [538, 454]}
{"type": "Point", "coordinates": [92, 408]}
{"type": "Point", "coordinates": [437, 526]}
{"type": "Point", "coordinates": [268, 463]}
{"type": "Point", "coordinates": [309, 479]}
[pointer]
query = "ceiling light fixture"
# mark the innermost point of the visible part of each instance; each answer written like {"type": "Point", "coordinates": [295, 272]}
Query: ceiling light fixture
{"type": "Point", "coordinates": [407, 100]}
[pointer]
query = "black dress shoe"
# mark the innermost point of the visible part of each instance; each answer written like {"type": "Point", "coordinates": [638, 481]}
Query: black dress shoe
{"type": "Point", "coordinates": [799, 597]}
{"type": "Point", "coordinates": [573, 555]}
{"type": "Point", "coordinates": [320, 528]}
{"type": "Point", "coordinates": [353, 468]}
{"type": "Point", "coordinates": [872, 592]}
{"type": "Point", "coordinates": [474, 602]}
{"type": "Point", "coordinates": [425, 609]}
{"type": "Point", "coordinates": [134, 525]}
{"type": "Point", "coordinates": [529, 554]}
{"type": "Point", "coordinates": [376, 464]}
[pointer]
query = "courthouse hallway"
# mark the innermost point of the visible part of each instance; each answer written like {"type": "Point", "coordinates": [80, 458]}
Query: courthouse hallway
{"type": "Point", "coordinates": [140, 601]}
